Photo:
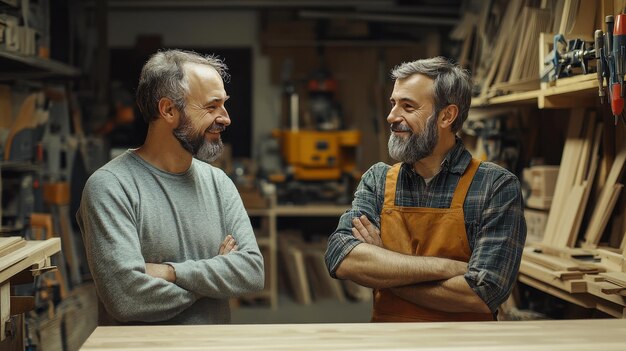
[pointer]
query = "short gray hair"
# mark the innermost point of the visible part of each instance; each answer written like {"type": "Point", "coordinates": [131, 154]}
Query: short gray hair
{"type": "Point", "coordinates": [164, 76]}
{"type": "Point", "coordinates": [452, 86]}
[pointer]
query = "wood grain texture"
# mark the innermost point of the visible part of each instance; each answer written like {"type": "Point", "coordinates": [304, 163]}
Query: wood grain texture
{"type": "Point", "coordinates": [569, 335]}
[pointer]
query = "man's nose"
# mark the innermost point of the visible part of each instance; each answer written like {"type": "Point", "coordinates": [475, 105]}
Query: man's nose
{"type": "Point", "coordinates": [394, 115]}
{"type": "Point", "coordinates": [224, 118]}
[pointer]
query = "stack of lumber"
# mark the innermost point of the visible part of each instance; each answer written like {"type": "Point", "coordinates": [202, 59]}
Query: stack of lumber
{"type": "Point", "coordinates": [610, 287]}
{"type": "Point", "coordinates": [307, 275]}
{"type": "Point", "coordinates": [563, 273]}
{"type": "Point", "coordinates": [616, 278]}
{"type": "Point", "coordinates": [591, 278]}
{"type": "Point", "coordinates": [577, 172]}
{"type": "Point", "coordinates": [609, 194]}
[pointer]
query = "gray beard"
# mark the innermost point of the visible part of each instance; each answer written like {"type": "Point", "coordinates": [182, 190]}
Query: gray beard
{"type": "Point", "coordinates": [415, 147]}
{"type": "Point", "coordinates": [195, 143]}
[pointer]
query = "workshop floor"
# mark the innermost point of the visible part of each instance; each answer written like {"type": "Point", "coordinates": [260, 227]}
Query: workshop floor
{"type": "Point", "coordinates": [289, 311]}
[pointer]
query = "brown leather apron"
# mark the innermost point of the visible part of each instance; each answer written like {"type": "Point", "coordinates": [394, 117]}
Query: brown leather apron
{"type": "Point", "coordinates": [419, 231]}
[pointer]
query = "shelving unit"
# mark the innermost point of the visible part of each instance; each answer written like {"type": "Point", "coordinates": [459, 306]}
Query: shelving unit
{"type": "Point", "coordinates": [14, 66]}
{"type": "Point", "coordinates": [577, 91]}
{"type": "Point", "coordinates": [20, 76]}
{"type": "Point", "coordinates": [267, 238]}
{"type": "Point", "coordinates": [568, 282]}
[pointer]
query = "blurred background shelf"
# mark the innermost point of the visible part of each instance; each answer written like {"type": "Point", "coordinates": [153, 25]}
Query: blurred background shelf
{"type": "Point", "coordinates": [31, 67]}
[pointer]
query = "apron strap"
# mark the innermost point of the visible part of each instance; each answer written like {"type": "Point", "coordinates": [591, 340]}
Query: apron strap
{"type": "Point", "coordinates": [390, 185]}
{"type": "Point", "coordinates": [464, 184]}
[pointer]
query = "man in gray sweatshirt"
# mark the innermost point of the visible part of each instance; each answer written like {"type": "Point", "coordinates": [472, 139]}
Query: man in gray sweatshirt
{"type": "Point", "coordinates": [167, 238]}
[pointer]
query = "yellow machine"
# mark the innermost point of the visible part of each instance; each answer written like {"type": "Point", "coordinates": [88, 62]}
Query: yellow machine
{"type": "Point", "coordinates": [320, 159]}
{"type": "Point", "coordinates": [319, 155]}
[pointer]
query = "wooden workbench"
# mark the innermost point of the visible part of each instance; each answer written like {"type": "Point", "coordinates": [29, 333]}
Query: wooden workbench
{"type": "Point", "coordinates": [568, 335]}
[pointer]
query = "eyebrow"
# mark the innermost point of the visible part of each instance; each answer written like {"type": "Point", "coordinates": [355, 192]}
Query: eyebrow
{"type": "Point", "coordinates": [216, 99]}
{"type": "Point", "coordinates": [404, 99]}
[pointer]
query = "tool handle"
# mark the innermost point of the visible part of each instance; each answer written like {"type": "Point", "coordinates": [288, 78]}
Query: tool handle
{"type": "Point", "coordinates": [617, 102]}
{"type": "Point", "coordinates": [598, 39]}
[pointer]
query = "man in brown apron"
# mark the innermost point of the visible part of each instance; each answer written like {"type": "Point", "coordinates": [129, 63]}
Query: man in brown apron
{"type": "Point", "coordinates": [451, 228]}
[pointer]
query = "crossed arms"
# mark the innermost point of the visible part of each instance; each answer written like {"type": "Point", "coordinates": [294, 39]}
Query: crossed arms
{"type": "Point", "coordinates": [133, 290]}
{"type": "Point", "coordinates": [432, 282]}
{"type": "Point", "coordinates": [167, 272]}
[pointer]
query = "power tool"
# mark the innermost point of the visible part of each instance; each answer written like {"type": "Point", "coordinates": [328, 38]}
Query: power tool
{"type": "Point", "coordinates": [611, 63]}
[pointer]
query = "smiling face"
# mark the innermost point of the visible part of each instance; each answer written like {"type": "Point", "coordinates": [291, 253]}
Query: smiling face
{"type": "Point", "coordinates": [205, 115]}
{"type": "Point", "coordinates": [413, 119]}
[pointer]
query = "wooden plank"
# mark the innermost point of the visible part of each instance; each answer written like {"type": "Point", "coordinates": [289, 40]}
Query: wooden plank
{"type": "Point", "coordinates": [585, 154]}
{"type": "Point", "coordinates": [544, 274]}
{"type": "Point", "coordinates": [595, 288]}
{"type": "Point", "coordinates": [618, 278]}
{"type": "Point", "coordinates": [294, 263]}
{"type": "Point", "coordinates": [568, 275]}
{"type": "Point", "coordinates": [504, 34]}
{"type": "Point", "coordinates": [528, 84]}
{"type": "Point", "coordinates": [597, 227]}
{"type": "Point", "coordinates": [590, 177]}
{"type": "Point", "coordinates": [581, 20]}
{"type": "Point", "coordinates": [33, 253]}
{"type": "Point", "coordinates": [610, 288]}
{"type": "Point", "coordinates": [611, 260]}
{"type": "Point", "coordinates": [556, 263]}
{"type": "Point", "coordinates": [10, 244]}
{"type": "Point", "coordinates": [321, 282]}
{"type": "Point", "coordinates": [565, 179]}
{"type": "Point", "coordinates": [607, 195]}
{"type": "Point", "coordinates": [569, 215]}
{"type": "Point", "coordinates": [565, 252]}
{"type": "Point", "coordinates": [578, 299]}
{"type": "Point", "coordinates": [5, 308]}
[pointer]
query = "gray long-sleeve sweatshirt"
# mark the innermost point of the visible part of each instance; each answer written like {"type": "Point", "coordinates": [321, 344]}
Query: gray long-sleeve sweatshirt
{"type": "Point", "coordinates": [132, 213]}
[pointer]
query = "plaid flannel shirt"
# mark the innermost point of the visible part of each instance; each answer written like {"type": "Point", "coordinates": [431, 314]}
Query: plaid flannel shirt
{"type": "Point", "coordinates": [494, 218]}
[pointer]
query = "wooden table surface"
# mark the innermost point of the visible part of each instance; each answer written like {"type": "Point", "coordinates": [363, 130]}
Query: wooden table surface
{"type": "Point", "coordinates": [568, 335]}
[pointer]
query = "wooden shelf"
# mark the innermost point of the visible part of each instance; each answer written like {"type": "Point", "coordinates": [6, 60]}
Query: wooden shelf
{"type": "Point", "coordinates": [267, 240]}
{"type": "Point", "coordinates": [14, 66]}
{"type": "Point", "coordinates": [565, 93]}
{"type": "Point", "coordinates": [310, 210]}
{"type": "Point", "coordinates": [14, 166]}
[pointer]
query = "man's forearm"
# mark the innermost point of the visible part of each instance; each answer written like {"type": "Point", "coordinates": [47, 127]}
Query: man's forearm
{"type": "Point", "coordinates": [161, 270]}
{"type": "Point", "coordinates": [451, 295]}
{"type": "Point", "coordinates": [376, 267]}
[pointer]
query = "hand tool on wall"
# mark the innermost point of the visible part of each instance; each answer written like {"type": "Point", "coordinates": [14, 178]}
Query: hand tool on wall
{"type": "Point", "coordinates": [600, 64]}
{"type": "Point", "coordinates": [617, 53]}
{"type": "Point", "coordinates": [566, 55]}
{"type": "Point", "coordinates": [611, 63]}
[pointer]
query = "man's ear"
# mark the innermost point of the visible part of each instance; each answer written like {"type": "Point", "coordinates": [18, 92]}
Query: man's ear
{"type": "Point", "coordinates": [448, 115]}
{"type": "Point", "coordinates": [168, 111]}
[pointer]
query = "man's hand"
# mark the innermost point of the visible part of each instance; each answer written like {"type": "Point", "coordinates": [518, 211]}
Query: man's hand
{"type": "Point", "coordinates": [228, 245]}
{"type": "Point", "coordinates": [161, 270]}
{"type": "Point", "coordinates": [365, 231]}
